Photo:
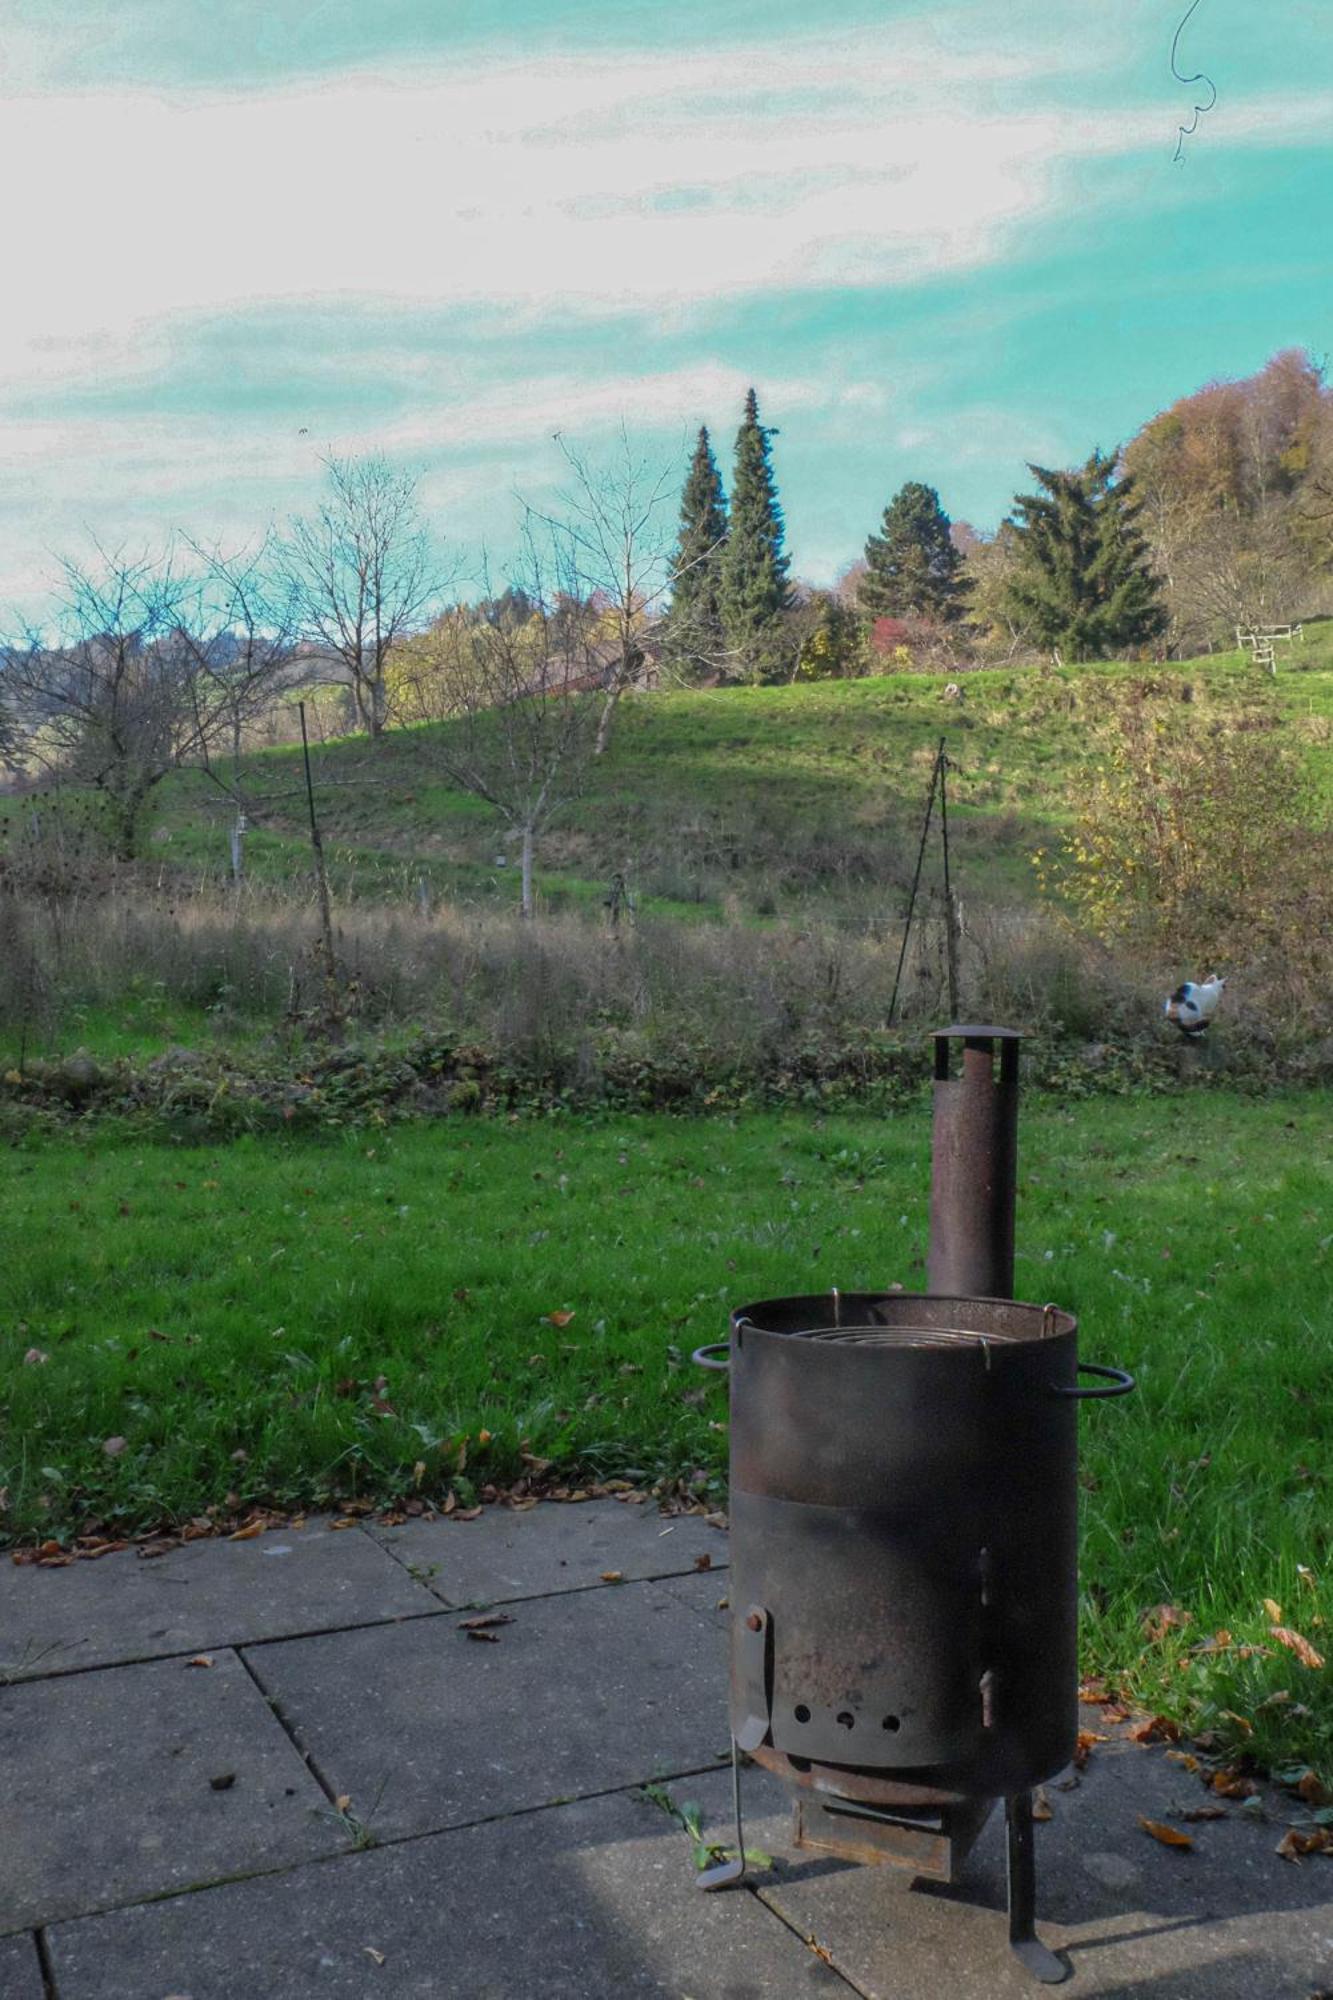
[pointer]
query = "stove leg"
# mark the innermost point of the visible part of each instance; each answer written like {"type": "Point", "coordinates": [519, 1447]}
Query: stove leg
{"type": "Point", "coordinates": [723, 1873]}
{"type": "Point", "coordinates": [1023, 1939]}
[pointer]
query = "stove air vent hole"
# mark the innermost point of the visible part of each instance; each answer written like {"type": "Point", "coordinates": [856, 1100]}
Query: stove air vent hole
{"type": "Point", "coordinates": [846, 1720]}
{"type": "Point", "coordinates": [893, 1722]}
{"type": "Point", "coordinates": [801, 1712]}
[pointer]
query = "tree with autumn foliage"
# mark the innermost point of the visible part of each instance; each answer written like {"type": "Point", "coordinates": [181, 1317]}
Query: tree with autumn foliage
{"type": "Point", "coordinates": [1195, 833]}
{"type": "Point", "coordinates": [1230, 479]}
{"type": "Point", "coordinates": [833, 646]}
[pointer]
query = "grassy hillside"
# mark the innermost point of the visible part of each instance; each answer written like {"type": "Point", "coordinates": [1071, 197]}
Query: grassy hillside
{"type": "Point", "coordinates": [768, 836]}
{"type": "Point", "coordinates": [743, 801]}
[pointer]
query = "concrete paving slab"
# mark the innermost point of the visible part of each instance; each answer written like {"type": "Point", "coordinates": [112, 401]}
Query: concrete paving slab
{"type": "Point", "coordinates": [209, 1593]}
{"type": "Point", "coordinates": [555, 1547]}
{"type": "Point", "coordinates": [20, 1972]}
{"type": "Point", "coordinates": [108, 1791]}
{"type": "Point", "coordinates": [587, 1902]}
{"type": "Point", "coordinates": [426, 1729]}
{"type": "Point", "coordinates": [1227, 1921]}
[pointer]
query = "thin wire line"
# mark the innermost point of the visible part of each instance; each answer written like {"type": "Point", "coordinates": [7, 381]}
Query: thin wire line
{"type": "Point", "coordinates": [916, 880]}
{"type": "Point", "coordinates": [1184, 132]}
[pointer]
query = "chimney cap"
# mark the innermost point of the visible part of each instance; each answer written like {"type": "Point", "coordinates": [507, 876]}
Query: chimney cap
{"type": "Point", "coordinates": [977, 1034]}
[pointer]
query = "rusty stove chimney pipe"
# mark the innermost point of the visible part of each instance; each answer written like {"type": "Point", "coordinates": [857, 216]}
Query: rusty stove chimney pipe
{"type": "Point", "coordinates": [974, 1166]}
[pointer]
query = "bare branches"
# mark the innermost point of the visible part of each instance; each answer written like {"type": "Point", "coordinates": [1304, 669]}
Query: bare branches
{"type": "Point", "coordinates": [153, 665]}
{"type": "Point", "coordinates": [111, 704]}
{"type": "Point", "coordinates": [517, 677]}
{"type": "Point", "coordinates": [361, 575]}
{"type": "Point", "coordinates": [614, 537]}
{"type": "Point", "coordinates": [244, 632]}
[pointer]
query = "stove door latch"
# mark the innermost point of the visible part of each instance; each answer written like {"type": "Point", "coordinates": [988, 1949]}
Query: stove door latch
{"type": "Point", "coordinates": [753, 1703]}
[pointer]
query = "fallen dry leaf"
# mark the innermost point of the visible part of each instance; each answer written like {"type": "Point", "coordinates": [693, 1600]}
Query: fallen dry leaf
{"type": "Point", "coordinates": [1231, 1785]}
{"type": "Point", "coordinates": [1312, 1790]}
{"type": "Point", "coordinates": [1272, 1611]}
{"type": "Point", "coordinates": [1164, 1618]}
{"type": "Point", "coordinates": [1041, 1805]}
{"type": "Point", "coordinates": [334, 1526]}
{"type": "Point", "coordinates": [1297, 1644]}
{"type": "Point", "coordinates": [1083, 1746]}
{"type": "Point", "coordinates": [704, 1561]}
{"type": "Point", "coordinates": [1299, 1841]}
{"type": "Point", "coordinates": [343, 1802]}
{"type": "Point", "coordinates": [487, 1619]}
{"type": "Point", "coordinates": [1152, 1728]}
{"type": "Point", "coordinates": [1169, 1836]}
{"type": "Point", "coordinates": [558, 1318]}
{"type": "Point", "coordinates": [613, 1576]}
{"type": "Point", "coordinates": [371, 1952]}
{"type": "Point", "coordinates": [248, 1532]}
{"type": "Point", "coordinates": [1184, 1759]}
{"type": "Point", "coordinates": [1205, 1812]}
{"type": "Point", "coordinates": [200, 1660]}
{"type": "Point", "coordinates": [486, 1638]}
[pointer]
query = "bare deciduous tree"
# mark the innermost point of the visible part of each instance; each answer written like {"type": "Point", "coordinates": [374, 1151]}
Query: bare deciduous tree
{"type": "Point", "coordinates": [361, 575]}
{"type": "Point", "coordinates": [615, 536]}
{"type": "Point", "coordinates": [510, 679]}
{"type": "Point", "coordinates": [1243, 570]}
{"type": "Point", "coordinates": [127, 690]}
{"type": "Point", "coordinates": [243, 631]}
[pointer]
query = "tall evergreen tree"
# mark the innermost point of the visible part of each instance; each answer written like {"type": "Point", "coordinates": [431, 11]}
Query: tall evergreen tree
{"type": "Point", "coordinates": [694, 632]}
{"type": "Point", "coordinates": [1084, 583]}
{"type": "Point", "coordinates": [754, 592]}
{"type": "Point", "coordinates": [913, 569]}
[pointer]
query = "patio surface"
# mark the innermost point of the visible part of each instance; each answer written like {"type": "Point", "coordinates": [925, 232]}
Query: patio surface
{"type": "Point", "coordinates": [281, 1769]}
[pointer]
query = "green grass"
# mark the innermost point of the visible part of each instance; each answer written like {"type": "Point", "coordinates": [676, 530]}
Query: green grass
{"type": "Point", "coordinates": [770, 798]}
{"type": "Point", "coordinates": [229, 1313]}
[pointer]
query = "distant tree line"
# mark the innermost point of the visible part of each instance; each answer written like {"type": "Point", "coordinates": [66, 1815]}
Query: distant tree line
{"type": "Point", "coordinates": [1218, 514]}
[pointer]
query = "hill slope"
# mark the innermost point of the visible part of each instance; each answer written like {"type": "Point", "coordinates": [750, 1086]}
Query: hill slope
{"type": "Point", "coordinates": [746, 801]}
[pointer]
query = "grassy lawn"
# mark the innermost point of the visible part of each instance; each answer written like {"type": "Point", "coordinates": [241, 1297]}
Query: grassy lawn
{"type": "Point", "coordinates": [294, 1322]}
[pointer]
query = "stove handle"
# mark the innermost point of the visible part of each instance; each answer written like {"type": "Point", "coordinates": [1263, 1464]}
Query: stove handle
{"type": "Point", "coordinates": [1120, 1380]}
{"type": "Point", "coordinates": [702, 1357]}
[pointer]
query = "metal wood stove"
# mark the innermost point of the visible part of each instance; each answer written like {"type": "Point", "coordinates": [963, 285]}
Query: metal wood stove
{"type": "Point", "coordinates": [904, 1530]}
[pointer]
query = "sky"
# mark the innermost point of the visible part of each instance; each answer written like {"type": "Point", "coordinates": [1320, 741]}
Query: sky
{"type": "Point", "coordinates": [941, 240]}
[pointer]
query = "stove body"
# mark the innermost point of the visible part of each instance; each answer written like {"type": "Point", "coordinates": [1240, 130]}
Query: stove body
{"type": "Point", "coordinates": [904, 1527]}
{"type": "Point", "coordinates": [904, 1522]}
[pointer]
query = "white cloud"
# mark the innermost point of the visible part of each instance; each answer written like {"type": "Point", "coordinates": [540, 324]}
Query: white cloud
{"type": "Point", "coordinates": [93, 459]}
{"type": "Point", "coordinates": [601, 183]}
{"type": "Point", "coordinates": [522, 191]}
